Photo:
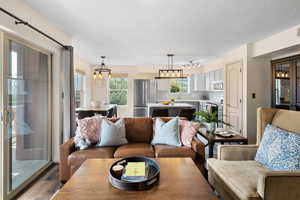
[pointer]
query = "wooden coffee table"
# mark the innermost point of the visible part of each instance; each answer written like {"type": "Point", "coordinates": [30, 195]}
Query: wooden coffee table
{"type": "Point", "coordinates": [179, 179]}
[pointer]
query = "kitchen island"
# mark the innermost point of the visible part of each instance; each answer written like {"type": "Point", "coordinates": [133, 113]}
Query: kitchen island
{"type": "Point", "coordinates": [173, 109]}
{"type": "Point", "coordinates": [109, 110]}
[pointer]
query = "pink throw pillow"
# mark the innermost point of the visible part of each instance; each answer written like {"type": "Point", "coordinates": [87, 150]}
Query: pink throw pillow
{"type": "Point", "coordinates": [90, 127]}
{"type": "Point", "coordinates": [188, 130]}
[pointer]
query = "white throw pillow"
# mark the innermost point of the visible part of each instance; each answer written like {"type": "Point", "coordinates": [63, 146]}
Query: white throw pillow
{"type": "Point", "coordinates": [112, 134]}
{"type": "Point", "coordinates": [167, 132]}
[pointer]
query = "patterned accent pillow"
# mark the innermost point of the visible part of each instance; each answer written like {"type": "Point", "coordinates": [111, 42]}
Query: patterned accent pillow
{"type": "Point", "coordinates": [279, 150]}
{"type": "Point", "coordinates": [167, 132]}
{"type": "Point", "coordinates": [81, 142]}
{"type": "Point", "coordinates": [90, 127]}
{"type": "Point", "coordinates": [188, 130]}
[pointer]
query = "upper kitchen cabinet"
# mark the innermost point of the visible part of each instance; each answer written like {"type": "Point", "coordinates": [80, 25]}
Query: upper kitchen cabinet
{"type": "Point", "coordinates": [219, 75]}
{"type": "Point", "coordinates": [215, 80]}
{"type": "Point", "coordinates": [199, 80]}
{"type": "Point", "coordinates": [163, 84]}
{"type": "Point", "coordinates": [209, 81]}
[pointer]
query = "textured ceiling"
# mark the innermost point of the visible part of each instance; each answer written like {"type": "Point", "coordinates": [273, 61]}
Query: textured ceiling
{"type": "Point", "coordinates": [142, 32]}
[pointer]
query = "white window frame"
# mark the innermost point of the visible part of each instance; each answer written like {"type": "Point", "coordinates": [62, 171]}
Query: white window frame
{"type": "Point", "coordinates": [117, 90]}
{"type": "Point", "coordinates": [188, 87]}
{"type": "Point", "coordinates": [82, 90]}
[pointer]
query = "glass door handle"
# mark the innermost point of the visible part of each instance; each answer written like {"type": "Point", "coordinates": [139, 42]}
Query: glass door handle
{"type": "Point", "coordinates": [4, 117]}
{"type": "Point", "coordinates": [7, 117]}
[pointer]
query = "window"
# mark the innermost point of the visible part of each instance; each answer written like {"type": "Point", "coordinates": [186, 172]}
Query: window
{"type": "Point", "coordinates": [78, 84]}
{"type": "Point", "coordinates": [180, 85]}
{"type": "Point", "coordinates": [118, 91]}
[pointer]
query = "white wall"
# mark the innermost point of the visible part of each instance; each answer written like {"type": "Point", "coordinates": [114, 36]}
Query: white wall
{"type": "Point", "coordinates": [258, 83]}
{"type": "Point", "coordinates": [83, 66]}
{"type": "Point", "coordinates": [277, 42]}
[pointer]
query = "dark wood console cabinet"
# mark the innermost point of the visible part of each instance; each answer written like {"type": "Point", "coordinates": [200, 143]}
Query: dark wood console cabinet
{"type": "Point", "coordinates": [286, 83]}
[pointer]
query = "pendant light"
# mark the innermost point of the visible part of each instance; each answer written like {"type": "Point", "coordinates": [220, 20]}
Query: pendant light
{"type": "Point", "coordinates": [102, 69]}
{"type": "Point", "coordinates": [170, 72]}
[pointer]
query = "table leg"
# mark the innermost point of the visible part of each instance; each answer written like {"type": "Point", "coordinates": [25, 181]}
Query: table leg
{"type": "Point", "coordinates": [211, 149]}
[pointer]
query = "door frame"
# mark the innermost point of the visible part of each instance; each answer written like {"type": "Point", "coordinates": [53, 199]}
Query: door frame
{"type": "Point", "coordinates": [1, 115]}
{"type": "Point", "coordinates": [242, 131]}
{"type": "Point", "coordinates": [6, 161]}
{"type": "Point", "coordinates": [292, 60]}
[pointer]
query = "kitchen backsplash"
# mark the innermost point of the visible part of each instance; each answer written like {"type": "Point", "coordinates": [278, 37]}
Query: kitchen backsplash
{"type": "Point", "coordinates": [216, 96]}
{"type": "Point", "coordinates": [163, 95]}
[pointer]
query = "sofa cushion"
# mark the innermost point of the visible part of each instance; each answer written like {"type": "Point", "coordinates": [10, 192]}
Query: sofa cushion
{"type": "Point", "coordinates": [239, 178]}
{"type": "Point", "coordinates": [112, 134]}
{"type": "Point", "coordinates": [134, 149]}
{"type": "Point", "coordinates": [167, 132]}
{"type": "Point", "coordinates": [78, 157]}
{"type": "Point", "coordinates": [162, 150]}
{"type": "Point", "coordinates": [138, 129]}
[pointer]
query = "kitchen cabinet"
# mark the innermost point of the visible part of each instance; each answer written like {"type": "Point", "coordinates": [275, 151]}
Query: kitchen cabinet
{"type": "Point", "coordinates": [222, 75]}
{"type": "Point", "coordinates": [217, 75]}
{"type": "Point", "coordinates": [163, 84]}
{"type": "Point", "coordinates": [211, 77]}
{"type": "Point", "coordinates": [204, 81]}
{"type": "Point", "coordinates": [199, 82]}
{"type": "Point", "coordinates": [208, 81]}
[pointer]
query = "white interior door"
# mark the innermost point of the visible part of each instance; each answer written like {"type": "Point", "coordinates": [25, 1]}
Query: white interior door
{"type": "Point", "coordinates": [234, 92]}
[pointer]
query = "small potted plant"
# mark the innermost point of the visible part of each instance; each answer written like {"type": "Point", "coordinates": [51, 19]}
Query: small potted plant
{"type": "Point", "coordinates": [172, 99]}
{"type": "Point", "coordinates": [210, 120]}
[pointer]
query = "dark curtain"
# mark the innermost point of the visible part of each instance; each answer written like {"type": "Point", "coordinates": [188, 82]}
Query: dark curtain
{"type": "Point", "coordinates": [69, 121]}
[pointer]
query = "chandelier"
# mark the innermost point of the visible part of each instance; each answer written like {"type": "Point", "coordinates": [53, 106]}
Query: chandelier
{"type": "Point", "coordinates": [192, 64]}
{"type": "Point", "coordinates": [170, 71]}
{"type": "Point", "coordinates": [281, 72]}
{"type": "Point", "coordinates": [99, 71]}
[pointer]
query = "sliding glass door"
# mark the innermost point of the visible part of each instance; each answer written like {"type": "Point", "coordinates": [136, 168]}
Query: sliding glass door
{"type": "Point", "coordinates": [27, 113]}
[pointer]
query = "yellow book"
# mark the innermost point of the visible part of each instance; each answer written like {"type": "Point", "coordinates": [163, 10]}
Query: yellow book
{"type": "Point", "coordinates": [135, 169]}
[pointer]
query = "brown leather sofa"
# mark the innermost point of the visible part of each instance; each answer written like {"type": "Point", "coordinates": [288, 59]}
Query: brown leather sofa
{"type": "Point", "coordinates": [139, 133]}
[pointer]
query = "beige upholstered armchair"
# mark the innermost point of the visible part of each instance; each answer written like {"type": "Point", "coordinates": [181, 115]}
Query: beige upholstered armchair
{"type": "Point", "coordinates": [236, 175]}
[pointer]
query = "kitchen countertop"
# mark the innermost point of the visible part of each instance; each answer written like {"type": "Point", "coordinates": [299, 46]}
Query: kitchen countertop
{"type": "Point", "coordinates": [175, 105]}
{"type": "Point", "coordinates": [103, 107]}
{"type": "Point", "coordinates": [190, 100]}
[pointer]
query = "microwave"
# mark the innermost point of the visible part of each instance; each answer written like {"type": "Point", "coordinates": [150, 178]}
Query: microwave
{"type": "Point", "coordinates": [218, 85]}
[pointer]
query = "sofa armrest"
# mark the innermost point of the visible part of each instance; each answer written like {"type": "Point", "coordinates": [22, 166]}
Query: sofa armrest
{"type": "Point", "coordinates": [237, 152]}
{"type": "Point", "coordinates": [65, 150]}
{"type": "Point", "coordinates": [198, 147]}
{"type": "Point", "coordinates": [278, 185]}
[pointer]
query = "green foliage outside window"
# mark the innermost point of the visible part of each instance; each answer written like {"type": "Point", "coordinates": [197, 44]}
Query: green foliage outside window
{"type": "Point", "coordinates": [179, 85]}
{"type": "Point", "coordinates": [118, 91]}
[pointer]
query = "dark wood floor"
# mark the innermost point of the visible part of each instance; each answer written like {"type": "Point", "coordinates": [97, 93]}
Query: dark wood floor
{"type": "Point", "coordinates": [44, 187]}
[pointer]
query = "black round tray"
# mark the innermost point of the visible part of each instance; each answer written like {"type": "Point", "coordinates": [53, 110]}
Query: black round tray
{"type": "Point", "coordinates": [147, 183]}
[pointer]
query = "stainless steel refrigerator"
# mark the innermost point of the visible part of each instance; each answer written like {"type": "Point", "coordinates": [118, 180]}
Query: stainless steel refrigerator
{"type": "Point", "coordinates": [144, 93]}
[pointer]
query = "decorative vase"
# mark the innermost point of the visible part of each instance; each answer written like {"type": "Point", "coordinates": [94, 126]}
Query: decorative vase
{"type": "Point", "coordinates": [211, 127]}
